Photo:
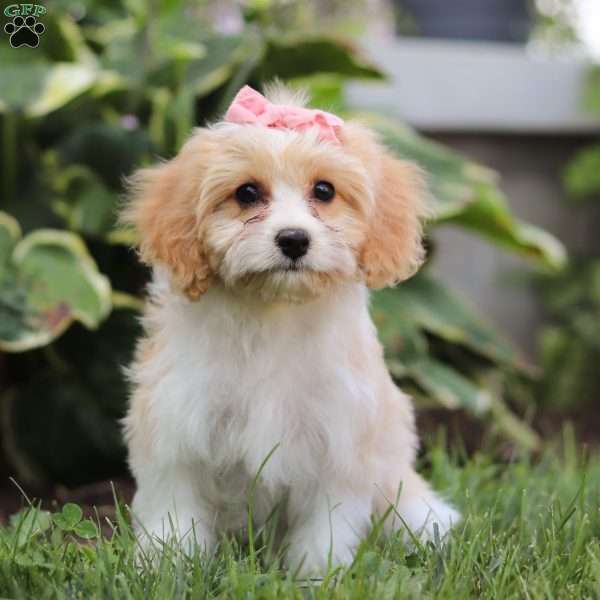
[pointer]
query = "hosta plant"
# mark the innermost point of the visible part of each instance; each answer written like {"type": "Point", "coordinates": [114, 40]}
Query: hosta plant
{"type": "Point", "coordinates": [113, 88]}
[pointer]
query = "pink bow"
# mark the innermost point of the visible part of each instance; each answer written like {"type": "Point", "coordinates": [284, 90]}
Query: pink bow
{"type": "Point", "coordinates": [251, 107]}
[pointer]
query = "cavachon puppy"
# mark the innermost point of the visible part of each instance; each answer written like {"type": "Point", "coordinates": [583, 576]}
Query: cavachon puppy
{"type": "Point", "coordinates": [264, 234]}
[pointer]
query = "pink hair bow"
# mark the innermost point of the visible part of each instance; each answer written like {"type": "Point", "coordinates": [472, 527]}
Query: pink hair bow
{"type": "Point", "coordinates": [251, 107]}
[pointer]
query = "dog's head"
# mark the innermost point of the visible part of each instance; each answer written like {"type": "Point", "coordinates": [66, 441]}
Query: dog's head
{"type": "Point", "coordinates": [281, 213]}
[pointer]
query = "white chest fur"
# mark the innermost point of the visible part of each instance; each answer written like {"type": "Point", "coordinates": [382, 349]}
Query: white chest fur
{"type": "Point", "coordinates": [224, 382]}
{"type": "Point", "coordinates": [240, 379]}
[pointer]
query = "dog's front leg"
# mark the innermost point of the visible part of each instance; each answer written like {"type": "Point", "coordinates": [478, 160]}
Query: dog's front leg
{"type": "Point", "coordinates": [325, 528]}
{"type": "Point", "coordinates": [168, 507]}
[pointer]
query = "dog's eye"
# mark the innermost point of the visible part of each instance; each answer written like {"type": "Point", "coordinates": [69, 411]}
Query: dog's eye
{"type": "Point", "coordinates": [323, 191]}
{"type": "Point", "coordinates": [248, 193]}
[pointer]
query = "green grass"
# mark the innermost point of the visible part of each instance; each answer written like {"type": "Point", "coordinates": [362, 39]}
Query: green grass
{"type": "Point", "coordinates": [532, 530]}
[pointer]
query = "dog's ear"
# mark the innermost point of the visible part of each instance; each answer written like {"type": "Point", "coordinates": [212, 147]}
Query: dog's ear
{"type": "Point", "coordinates": [163, 209]}
{"type": "Point", "coordinates": [393, 250]}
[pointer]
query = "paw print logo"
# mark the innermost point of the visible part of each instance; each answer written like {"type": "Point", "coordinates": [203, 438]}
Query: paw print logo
{"type": "Point", "coordinates": [24, 32]}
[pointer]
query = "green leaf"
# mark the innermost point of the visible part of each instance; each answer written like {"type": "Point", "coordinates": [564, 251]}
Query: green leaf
{"type": "Point", "coordinates": [87, 530]}
{"type": "Point", "coordinates": [74, 405]}
{"type": "Point", "coordinates": [123, 236]}
{"type": "Point", "coordinates": [427, 304]}
{"type": "Point", "coordinates": [10, 233]}
{"type": "Point", "coordinates": [513, 428]}
{"type": "Point", "coordinates": [58, 268]}
{"type": "Point", "coordinates": [326, 91]}
{"type": "Point", "coordinates": [29, 523]}
{"type": "Point", "coordinates": [297, 55]}
{"type": "Point", "coordinates": [63, 40]}
{"type": "Point", "coordinates": [20, 84]}
{"type": "Point", "coordinates": [447, 386]}
{"type": "Point", "coordinates": [75, 416]}
{"type": "Point", "coordinates": [109, 151]}
{"type": "Point", "coordinates": [582, 175]}
{"type": "Point", "coordinates": [207, 74]}
{"type": "Point", "coordinates": [124, 301]}
{"type": "Point", "coordinates": [62, 83]}
{"type": "Point", "coordinates": [70, 516]}
{"type": "Point", "coordinates": [591, 97]}
{"type": "Point", "coordinates": [423, 305]}
{"type": "Point", "coordinates": [254, 50]}
{"type": "Point", "coordinates": [399, 332]}
{"type": "Point", "coordinates": [570, 347]}
{"type": "Point", "coordinates": [490, 217]}
{"type": "Point", "coordinates": [452, 179]}
{"type": "Point", "coordinates": [466, 194]}
{"type": "Point", "coordinates": [35, 559]}
{"type": "Point", "coordinates": [83, 201]}
{"type": "Point", "coordinates": [565, 360]}
{"type": "Point", "coordinates": [51, 281]}
{"type": "Point", "coordinates": [39, 88]}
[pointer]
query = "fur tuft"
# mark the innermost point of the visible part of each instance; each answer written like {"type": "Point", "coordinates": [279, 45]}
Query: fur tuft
{"type": "Point", "coordinates": [278, 93]}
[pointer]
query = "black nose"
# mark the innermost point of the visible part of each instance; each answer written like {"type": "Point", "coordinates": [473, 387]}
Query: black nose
{"type": "Point", "coordinates": [293, 242]}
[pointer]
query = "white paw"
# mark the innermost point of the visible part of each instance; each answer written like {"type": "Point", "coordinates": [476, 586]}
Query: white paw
{"type": "Point", "coordinates": [186, 535]}
{"type": "Point", "coordinates": [326, 541]}
{"type": "Point", "coordinates": [314, 557]}
{"type": "Point", "coordinates": [424, 515]}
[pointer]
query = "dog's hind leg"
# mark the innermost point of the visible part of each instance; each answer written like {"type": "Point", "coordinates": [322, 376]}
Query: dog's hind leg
{"type": "Point", "coordinates": [409, 502]}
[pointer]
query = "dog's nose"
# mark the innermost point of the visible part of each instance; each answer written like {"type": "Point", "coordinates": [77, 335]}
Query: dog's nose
{"type": "Point", "coordinates": [294, 243]}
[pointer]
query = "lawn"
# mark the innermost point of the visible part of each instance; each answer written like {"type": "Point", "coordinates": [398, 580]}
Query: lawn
{"type": "Point", "coordinates": [531, 530]}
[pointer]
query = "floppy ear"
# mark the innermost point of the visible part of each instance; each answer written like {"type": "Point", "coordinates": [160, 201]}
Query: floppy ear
{"type": "Point", "coordinates": [393, 250]}
{"type": "Point", "coordinates": [163, 208]}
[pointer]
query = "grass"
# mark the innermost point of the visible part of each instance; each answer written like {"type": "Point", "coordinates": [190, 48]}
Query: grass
{"type": "Point", "coordinates": [532, 530]}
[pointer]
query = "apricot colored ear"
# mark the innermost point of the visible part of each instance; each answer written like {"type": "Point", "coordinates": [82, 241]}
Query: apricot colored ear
{"type": "Point", "coordinates": [393, 250]}
{"type": "Point", "coordinates": [163, 209]}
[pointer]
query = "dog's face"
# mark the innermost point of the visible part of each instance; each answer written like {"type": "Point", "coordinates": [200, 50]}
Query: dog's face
{"type": "Point", "coordinates": [279, 214]}
{"type": "Point", "coordinates": [287, 212]}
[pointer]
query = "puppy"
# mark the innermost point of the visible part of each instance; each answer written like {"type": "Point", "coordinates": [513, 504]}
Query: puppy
{"type": "Point", "coordinates": [264, 234]}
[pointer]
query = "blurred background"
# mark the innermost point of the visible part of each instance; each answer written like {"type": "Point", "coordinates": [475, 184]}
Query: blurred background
{"type": "Point", "coordinates": [497, 338]}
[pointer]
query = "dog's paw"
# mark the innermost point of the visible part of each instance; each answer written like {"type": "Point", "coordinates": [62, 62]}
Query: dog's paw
{"type": "Point", "coordinates": [167, 536]}
{"type": "Point", "coordinates": [24, 32]}
{"type": "Point", "coordinates": [325, 542]}
{"type": "Point", "coordinates": [314, 557]}
{"type": "Point", "coordinates": [423, 515]}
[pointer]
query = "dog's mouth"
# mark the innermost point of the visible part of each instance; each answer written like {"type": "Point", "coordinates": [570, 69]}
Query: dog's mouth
{"type": "Point", "coordinates": [294, 268]}
{"type": "Point", "coordinates": [291, 267]}
{"type": "Point", "coordinates": [281, 273]}
{"type": "Point", "coordinates": [291, 282]}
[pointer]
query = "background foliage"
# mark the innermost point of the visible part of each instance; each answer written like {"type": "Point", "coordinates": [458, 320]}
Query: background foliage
{"type": "Point", "coordinates": [114, 86]}
{"type": "Point", "coordinates": [570, 343]}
